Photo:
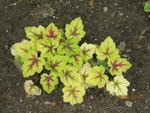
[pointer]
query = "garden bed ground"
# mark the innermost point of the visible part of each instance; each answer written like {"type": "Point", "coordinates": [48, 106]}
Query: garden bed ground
{"type": "Point", "coordinates": [124, 20]}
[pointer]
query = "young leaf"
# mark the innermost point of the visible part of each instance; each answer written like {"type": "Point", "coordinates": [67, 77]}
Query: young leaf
{"type": "Point", "coordinates": [118, 65]}
{"type": "Point", "coordinates": [52, 32]}
{"type": "Point", "coordinates": [31, 89]}
{"type": "Point", "coordinates": [32, 64]}
{"type": "Point", "coordinates": [56, 64]}
{"type": "Point", "coordinates": [97, 77]}
{"type": "Point", "coordinates": [68, 47]}
{"type": "Point", "coordinates": [20, 49]}
{"type": "Point", "coordinates": [84, 73]}
{"type": "Point", "coordinates": [34, 33]}
{"type": "Point", "coordinates": [107, 49]}
{"type": "Point", "coordinates": [75, 29]}
{"type": "Point", "coordinates": [48, 82]}
{"type": "Point", "coordinates": [46, 47]}
{"type": "Point", "coordinates": [118, 87]}
{"type": "Point", "coordinates": [73, 94]}
{"type": "Point", "coordinates": [88, 50]}
{"type": "Point", "coordinates": [70, 76]}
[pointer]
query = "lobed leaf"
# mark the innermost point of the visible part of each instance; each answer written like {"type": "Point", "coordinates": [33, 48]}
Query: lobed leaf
{"type": "Point", "coordinates": [21, 48]}
{"type": "Point", "coordinates": [46, 47]}
{"type": "Point", "coordinates": [32, 64]}
{"type": "Point", "coordinates": [70, 76]}
{"type": "Point", "coordinates": [68, 47]}
{"type": "Point", "coordinates": [118, 65]}
{"type": "Point", "coordinates": [31, 89]}
{"type": "Point", "coordinates": [56, 64]}
{"type": "Point", "coordinates": [76, 60]}
{"type": "Point", "coordinates": [84, 73]}
{"type": "Point", "coordinates": [88, 50]}
{"type": "Point", "coordinates": [107, 49]}
{"type": "Point", "coordinates": [52, 32]}
{"type": "Point", "coordinates": [34, 33]}
{"type": "Point", "coordinates": [97, 77]}
{"type": "Point", "coordinates": [73, 94]}
{"type": "Point", "coordinates": [118, 87]}
{"type": "Point", "coordinates": [48, 82]}
{"type": "Point", "coordinates": [75, 29]}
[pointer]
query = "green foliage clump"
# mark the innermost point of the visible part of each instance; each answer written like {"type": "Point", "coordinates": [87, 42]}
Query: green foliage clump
{"type": "Point", "coordinates": [147, 6]}
{"type": "Point", "coordinates": [53, 56]}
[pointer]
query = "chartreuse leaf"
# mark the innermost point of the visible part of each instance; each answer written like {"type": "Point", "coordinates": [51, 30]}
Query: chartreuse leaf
{"type": "Point", "coordinates": [48, 82]}
{"type": "Point", "coordinates": [76, 60]}
{"type": "Point", "coordinates": [31, 89]}
{"type": "Point", "coordinates": [34, 33]}
{"type": "Point", "coordinates": [22, 48]}
{"type": "Point", "coordinates": [107, 49]}
{"type": "Point", "coordinates": [84, 73]}
{"type": "Point", "coordinates": [68, 47]}
{"type": "Point", "coordinates": [70, 76]}
{"type": "Point", "coordinates": [52, 32]}
{"type": "Point", "coordinates": [32, 64]}
{"type": "Point", "coordinates": [97, 77]}
{"type": "Point", "coordinates": [118, 87]}
{"type": "Point", "coordinates": [147, 6]}
{"type": "Point", "coordinates": [118, 65]}
{"type": "Point", "coordinates": [46, 47]}
{"type": "Point", "coordinates": [88, 50]}
{"type": "Point", "coordinates": [75, 29]}
{"type": "Point", "coordinates": [73, 94]}
{"type": "Point", "coordinates": [56, 64]}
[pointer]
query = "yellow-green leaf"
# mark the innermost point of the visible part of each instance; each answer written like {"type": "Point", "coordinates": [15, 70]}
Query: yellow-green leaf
{"type": "Point", "coordinates": [118, 87]}
{"type": "Point", "coordinates": [88, 50]}
{"type": "Point", "coordinates": [32, 64]}
{"type": "Point", "coordinates": [107, 49]}
{"type": "Point", "coordinates": [46, 47]}
{"type": "Point", "coordinates": [73, 94]}
{"type": "Point", "coordinates": [118, 65]}
{"type": "Point", "coordinates": [56, 64]}
{"type": "Point", "coordinates": [34, 33]}
{"type": "Point", "coordinates": [48, 82]}
{"type": "Point", "coordinates": [52, 32]}
{"type": "Point", "coordinates": [97, 77]}
{"type": "Point", "coordinates": [75, 29]}
{"type": "Point", "coordinates": [70, 76]}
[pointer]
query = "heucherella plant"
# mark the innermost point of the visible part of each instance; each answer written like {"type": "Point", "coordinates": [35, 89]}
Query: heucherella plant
{"type": "Point", "coordinates": [50, 56]}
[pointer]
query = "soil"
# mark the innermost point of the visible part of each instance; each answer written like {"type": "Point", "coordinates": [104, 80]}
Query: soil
{"type": "Point", "coordinates": [123, 20]}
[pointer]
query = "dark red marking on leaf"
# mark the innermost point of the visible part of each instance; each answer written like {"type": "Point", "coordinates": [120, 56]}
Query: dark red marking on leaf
{"type": "Point", "coordinates": [74, 32]}
{"type": "Point", "coordinates": [85, 51]}
{"type": "Point", "coordinates": [100, 76]}
{"type": "Point", "coordinates": [54, 65]}
{"type": "Point", "coordinates": [51, 34]}
{"type": "Point", "coordinates": [50, 47]}
{"type": "Point", "coordinates": [73, 91]}
{"type": "Point", "coordinates": [68, 46]}
{"type": "Point", "coordinates": [48, 80]}
{"type": "Point", "coordinates": [25, 50]}
{"type": "Point", "coordinates": [38, 35]}
{"type": "Point", "coordinates": [76, 58]}
{"type": "Point", "coordinates": [34, 61]}
{"type": "Point", "coordinates": [116, 65]}
{"type": "Point", "coordinates": [68, 75]}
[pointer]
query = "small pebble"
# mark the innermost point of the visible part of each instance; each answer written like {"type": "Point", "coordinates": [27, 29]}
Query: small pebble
{"type": "Point", "coordinates": [53, 103]}
{"type": "Point", "coordinates": [105, 9]}
{"type": "Point", "coordinates": [129, 103]}
{"type": "Point", "coordinates": [47, 103]}
{"type": "Point", "coordinates": [133, 90]}
{"type": "Point", "coordinates": [91, 97]}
